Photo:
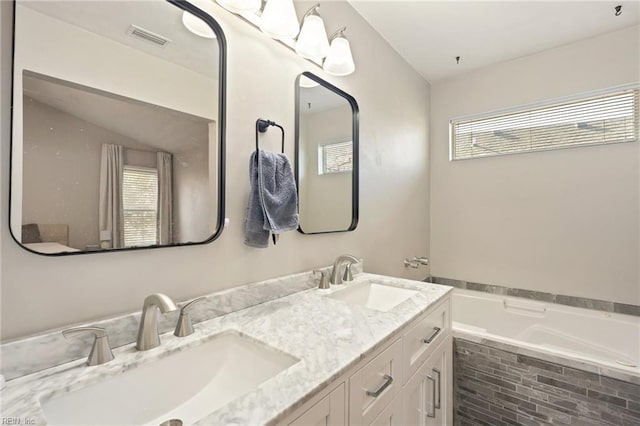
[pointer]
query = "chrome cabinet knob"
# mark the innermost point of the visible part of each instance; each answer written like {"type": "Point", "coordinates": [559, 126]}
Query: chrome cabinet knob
{"type": "Point", "coordinates": [184, 327]}
{"type": "Point", "coordinates": [100, 351]}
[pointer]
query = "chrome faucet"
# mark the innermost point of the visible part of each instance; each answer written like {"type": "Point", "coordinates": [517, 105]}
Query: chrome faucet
{"type": "Point", "coordinates": [335, 272]}
{"type": "Point", "coordinates": [148, 336]}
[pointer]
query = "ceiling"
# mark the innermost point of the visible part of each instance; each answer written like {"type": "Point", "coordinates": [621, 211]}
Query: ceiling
{"type": "Point", "coordinates": [156, 127]}
{"type": "Point", "coordinates": [430, 34]}
{"type": "Point", "coordinates": [318, 98]}
{"type": "Point", "coordinates": [112, 19]}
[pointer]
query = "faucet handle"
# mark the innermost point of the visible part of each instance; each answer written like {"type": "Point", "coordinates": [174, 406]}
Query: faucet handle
{"type": "Point", "coordinates": [347, 276]}
{"type": "Point", "coordinates": [324, 283]}
{"type": "Point", "coordinates": [421, 260]}
{"type": "Point", "coordinates": [184, 327]}
{"type": "Point", "coordinates": [100, 351]}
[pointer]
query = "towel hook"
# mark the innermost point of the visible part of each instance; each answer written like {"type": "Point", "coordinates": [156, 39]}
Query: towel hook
{"type": "Point", "coordinates": [262, 126]}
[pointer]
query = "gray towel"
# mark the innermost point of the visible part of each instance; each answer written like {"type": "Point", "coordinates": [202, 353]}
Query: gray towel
{"type": "Point", "coordinates": [273, 199]}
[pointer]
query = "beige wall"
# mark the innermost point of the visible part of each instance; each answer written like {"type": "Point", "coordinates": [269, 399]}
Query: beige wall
{"type": "Point", "coordinates": [39, 292]}
{"type": "Point", "coordinates": [560, 221]}
{"type": "Point", "coordinates": [325, 202]}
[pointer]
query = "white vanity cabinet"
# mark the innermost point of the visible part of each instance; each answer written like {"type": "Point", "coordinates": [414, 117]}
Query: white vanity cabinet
{"type": "Point", "coordinates": [329, 411]}
{"type": "Point", "coordinates": [407, 382]}
{"type": "Point", "coordinates": [427, 396]}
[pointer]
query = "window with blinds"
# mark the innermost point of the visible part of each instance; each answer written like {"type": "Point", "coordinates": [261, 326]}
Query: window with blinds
{"type": "Point", "coordinates": [605, 119]}
{"type": "Point", "coordinates": [140, 203]}
{"type": "Point", "coordinates": [335, 158]}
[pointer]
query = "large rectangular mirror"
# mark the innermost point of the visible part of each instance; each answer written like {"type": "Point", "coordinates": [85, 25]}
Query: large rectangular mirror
{"type": "Point", "coordinates": [117, 126]}
{"type": "Point", "coordinates": [326, 156]}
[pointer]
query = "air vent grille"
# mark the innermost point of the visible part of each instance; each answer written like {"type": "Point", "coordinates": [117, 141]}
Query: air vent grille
{"type": "Point", "coordinates": [148, 36]}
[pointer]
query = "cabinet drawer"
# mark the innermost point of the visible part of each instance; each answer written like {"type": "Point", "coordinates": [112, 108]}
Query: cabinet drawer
{"type": "Point", "coordinates": [374, 386]}
{"type": "Point", "coordinates": [424, 337]}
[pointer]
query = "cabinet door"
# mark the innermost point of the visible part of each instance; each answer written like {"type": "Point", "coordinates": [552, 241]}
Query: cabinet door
{"type": "Point", "coordinates": [392, 415]}
{"type": "Point", "coordinates": [413, 398]}
{"type": "Point", "coordinates": [329, 411]}
{"type": "Point", "coordinates": [427, 395]}
{"type": "Point", "coordinates": [439, 386]}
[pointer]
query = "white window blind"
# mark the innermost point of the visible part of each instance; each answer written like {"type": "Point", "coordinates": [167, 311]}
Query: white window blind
{"type": "Point", "coordinates": [610, 118]}
{"type": "Point", "coordinates": [140, 203]}
{"type": "Point", "coordinates": [335, 157]}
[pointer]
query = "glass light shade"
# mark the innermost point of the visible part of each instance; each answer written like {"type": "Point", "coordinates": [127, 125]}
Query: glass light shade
{"type": "Point", "coordinates": [279, 19]}
{"type": "Point", "coordinates": [312, 42]}
{"type": "Point", "coordinates": [339, 61]}
{"type": "Point", "coordinates": [197, 25]}
{"type": "Point", "coordinates": [241, 6]}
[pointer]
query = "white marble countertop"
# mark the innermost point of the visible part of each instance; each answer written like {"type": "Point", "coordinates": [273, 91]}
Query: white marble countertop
{"type": "Point", "coordinates": [328, 336]}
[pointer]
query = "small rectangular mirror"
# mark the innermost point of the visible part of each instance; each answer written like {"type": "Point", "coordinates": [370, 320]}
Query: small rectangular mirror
{"type": "Point", "coordinates": [326, 156]}
{"type": "Point", "coordinates": [117, 126]}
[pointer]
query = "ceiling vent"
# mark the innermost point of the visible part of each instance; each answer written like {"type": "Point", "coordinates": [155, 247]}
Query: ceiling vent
{"type": "Point", "coordinates": [148, 36]}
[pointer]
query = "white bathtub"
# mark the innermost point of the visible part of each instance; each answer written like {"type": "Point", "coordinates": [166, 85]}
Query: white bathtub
{"type": "Point", "coordinates": [602, 342]}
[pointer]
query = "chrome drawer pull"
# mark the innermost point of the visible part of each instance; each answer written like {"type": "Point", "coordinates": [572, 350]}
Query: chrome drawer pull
{"type": "Point", "coordinates": [388, 380]}
{"type": "Point", "coordinates": [437, 402]}
{"type": "Point", "coordinates": [431, 411]}
{"type": "Point", "coordinates": [436, 331]}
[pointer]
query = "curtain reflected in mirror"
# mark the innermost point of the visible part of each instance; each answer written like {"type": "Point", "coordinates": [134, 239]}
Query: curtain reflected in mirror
{"type": "Point", "coordinates": [116, 127]}
{"type": "Point", "coordinates": [326, 156]}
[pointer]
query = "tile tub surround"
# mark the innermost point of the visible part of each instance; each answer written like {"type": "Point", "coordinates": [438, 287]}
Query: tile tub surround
{"type": "Point", "coordinates": [327, 335]}
{"type": "Point", "coordinates": [36, 353]}
{"type": "Point", "coordinates": [498, 387]}
{"type": "Point", "coordinates": [578, 302]}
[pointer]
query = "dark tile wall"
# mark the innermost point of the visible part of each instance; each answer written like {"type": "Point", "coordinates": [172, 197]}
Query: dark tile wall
{"type": "Point", "coordinates": [580, 302]}
{"type": "Point", "coordinates": [494, 388]}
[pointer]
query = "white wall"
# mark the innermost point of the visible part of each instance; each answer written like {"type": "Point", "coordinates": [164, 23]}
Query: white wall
{"type": "Point", "coordinates": [39, 293]}
{"type": "Point", "coordinates": [562, 221]}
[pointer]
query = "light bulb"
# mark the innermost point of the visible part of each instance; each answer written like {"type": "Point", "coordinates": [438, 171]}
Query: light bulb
{"type": "Point", "coordinates": [312, 42]}
{"type": "Point", "coordinates": [241, 6]}
{"type": "Point", "coordinates": [279, 19]}
{"type": "Point", "coordinates": [197, 25]}
{"type": "Point", "coordinates": [339, 61]}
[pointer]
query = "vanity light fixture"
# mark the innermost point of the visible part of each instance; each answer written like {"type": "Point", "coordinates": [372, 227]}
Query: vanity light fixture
{"type": "Point", "coordinates": [279, 20]}
{"type": "Point", "coordinates": [339, 61]}
{"type": "Point", "coordinates": [312, 41]}
{"type": "Point", "coordinates": [197, 25]}
{"type": "Point", "coordinates": [241, 6]}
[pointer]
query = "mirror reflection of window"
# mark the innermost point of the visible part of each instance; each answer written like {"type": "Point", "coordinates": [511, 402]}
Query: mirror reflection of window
{"type": "Point", "coordinates": [335, 157]}
{"type": "Point", "coordinates": [140, 206]}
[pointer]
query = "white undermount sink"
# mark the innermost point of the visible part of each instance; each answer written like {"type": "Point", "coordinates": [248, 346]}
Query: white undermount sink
{"type": "Point", "coordinates": [186, 385]}
{"type": "Point", "coordinates": [380, 297]}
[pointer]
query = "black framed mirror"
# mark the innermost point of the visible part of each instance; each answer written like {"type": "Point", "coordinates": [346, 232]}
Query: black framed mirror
{"type": "Point", "coordinates": [118, 126]}
{"type": "Point", "coordinates": [327, 160]}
